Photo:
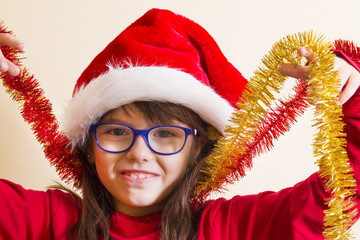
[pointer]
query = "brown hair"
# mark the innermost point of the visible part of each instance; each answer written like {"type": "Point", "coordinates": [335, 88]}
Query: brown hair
{"type": "Point", "coordinates": [179, 220]}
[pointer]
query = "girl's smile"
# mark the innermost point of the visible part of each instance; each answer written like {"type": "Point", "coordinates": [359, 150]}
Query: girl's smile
{"type": "Point", "coordinates": [139, 179]}
{"type": "Point", "coordinates": [139, 176]}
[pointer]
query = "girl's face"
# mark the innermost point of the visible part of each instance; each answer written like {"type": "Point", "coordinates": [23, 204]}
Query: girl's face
{"type": "Point", "coordinates": [139, 179]}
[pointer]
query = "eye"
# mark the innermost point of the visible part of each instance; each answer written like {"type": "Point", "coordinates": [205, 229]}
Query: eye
{"type": "Point", "coordinates": [117, 132]}
{"type": "Point", "coordinates": [113, 131]}
{"type": "Point", "coordinates": [164, 133]}
{"type": "Point", "coordinates": [167, 132]}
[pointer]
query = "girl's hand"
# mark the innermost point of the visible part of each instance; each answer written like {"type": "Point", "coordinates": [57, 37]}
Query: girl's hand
{"type": "Point", "coordinates": [6, 66]}
{"type": "Point", "coordinates": [349, 76]}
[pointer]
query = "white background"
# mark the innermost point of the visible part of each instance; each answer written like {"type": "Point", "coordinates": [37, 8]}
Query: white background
{"type": "Point", "coordinates": [62, 37]}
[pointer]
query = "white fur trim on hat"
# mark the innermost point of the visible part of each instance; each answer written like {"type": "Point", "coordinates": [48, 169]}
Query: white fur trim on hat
{"type": "Point", "coordinates": [120, 86]}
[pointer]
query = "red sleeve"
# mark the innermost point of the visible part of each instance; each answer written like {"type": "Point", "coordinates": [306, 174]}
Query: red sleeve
{"type": "Point", "coordinates": [28, 214]}
{"type": "Point", "coordinates": [351, 110]}
{"type": "Point", "coordinates": [293, 213]}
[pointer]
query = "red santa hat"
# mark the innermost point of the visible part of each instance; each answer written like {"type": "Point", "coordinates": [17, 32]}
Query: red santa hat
{"type": "Point", "coordinates": [160, 57]}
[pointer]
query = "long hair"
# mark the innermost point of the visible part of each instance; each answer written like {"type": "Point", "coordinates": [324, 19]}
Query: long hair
{"type": "Point", "coordinates": [179, 220]}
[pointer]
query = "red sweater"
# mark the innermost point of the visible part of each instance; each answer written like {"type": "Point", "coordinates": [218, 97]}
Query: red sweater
{"type": "Point", "coordinates": [292, 213]}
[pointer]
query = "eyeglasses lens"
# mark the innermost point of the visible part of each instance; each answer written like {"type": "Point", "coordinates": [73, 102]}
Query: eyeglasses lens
{"type": "Point", "coordinates": [118, 138]}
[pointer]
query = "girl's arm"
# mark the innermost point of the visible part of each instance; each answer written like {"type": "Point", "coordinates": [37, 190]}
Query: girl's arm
{"type": "Point", "coordinates": [349, 68]}
{"type": "Point", "coordinates": [28, 214]}
{"type": "Point", "coordinates": [296, 212]}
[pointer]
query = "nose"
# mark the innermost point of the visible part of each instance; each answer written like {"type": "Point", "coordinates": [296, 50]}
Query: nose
{"type": "Point", "coordinates": [140, 151]}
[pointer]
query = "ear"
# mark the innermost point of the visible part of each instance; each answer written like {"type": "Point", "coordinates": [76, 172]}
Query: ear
{"type": "Point", "coordinates": [89, 149]}
{"type": "Point", "coordinates": [91, 158]}
{"type": "Point", "coordinates": [197, 147]}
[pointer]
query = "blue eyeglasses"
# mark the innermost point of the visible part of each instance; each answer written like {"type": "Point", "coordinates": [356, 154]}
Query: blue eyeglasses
{"type": "Point", "coordinates": [164, 139]}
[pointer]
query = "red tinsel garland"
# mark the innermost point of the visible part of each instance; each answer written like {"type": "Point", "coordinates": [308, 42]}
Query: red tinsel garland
{"type": "Point", "coordinates": [350, 48]}
{"type": "Point", "coordinates": [37, 112]}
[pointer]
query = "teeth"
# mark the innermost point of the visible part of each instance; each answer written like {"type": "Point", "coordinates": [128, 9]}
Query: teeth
{"type": "Point", "coordinates": [138, 175]}
{"type": "Point", "coordinates": [141, 176]}
{"type": "Point", "coordinates": [133, 175]}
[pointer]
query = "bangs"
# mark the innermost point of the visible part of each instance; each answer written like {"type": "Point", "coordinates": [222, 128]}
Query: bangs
{"type": "Point", "coordinates": [163, 113]}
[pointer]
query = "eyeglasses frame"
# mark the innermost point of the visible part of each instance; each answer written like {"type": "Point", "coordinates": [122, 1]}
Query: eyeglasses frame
{"type": "Point", "coordinates": [142, 132]}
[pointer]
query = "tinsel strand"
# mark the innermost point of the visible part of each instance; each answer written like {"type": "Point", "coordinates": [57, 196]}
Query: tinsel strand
{"type": "Point", "coordinates": [278, 121]}
{"type": "Point", "coordinates": [36, 110]}
{"type": "Point", "coordinates": [229, 160]}
{"type": "Point", "coordinates": [351, 49]}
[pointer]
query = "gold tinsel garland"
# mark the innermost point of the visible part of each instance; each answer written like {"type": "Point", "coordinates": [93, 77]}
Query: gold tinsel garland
{"type": "Point", "coordinates": [329, 143]}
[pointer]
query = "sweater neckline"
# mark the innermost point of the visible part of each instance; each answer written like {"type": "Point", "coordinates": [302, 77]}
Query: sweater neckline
{"type": "Point", "coordinates": [135, 226]}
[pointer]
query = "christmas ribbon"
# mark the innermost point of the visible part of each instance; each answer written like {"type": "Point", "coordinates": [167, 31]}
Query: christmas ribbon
{"type": "Point", "coordinates": [249, 134]}
{"type": "Point", "coordinates": [36, 110]}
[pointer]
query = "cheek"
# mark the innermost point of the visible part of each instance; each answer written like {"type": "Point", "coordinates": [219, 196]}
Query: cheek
{"type": "Point", "coordinates": [105, 164]}
{"type": "Point", "coordinates": [175, 170]}
{"type": "Point", "coordinates": [175, 166]}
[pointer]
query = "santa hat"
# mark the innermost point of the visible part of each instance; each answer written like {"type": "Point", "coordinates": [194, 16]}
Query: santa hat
{"type": "Point", "coordinates": [160, 57]}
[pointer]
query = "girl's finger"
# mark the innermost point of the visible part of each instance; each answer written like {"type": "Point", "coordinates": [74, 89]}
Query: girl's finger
{"type": "Point", "coordinates": [12, 70]}
{"type": "Point", "coordinates": [3, 63]}
{"type": "Point", "coordinates": [300, 72]}
{"type": "Point", "coordinates": [11, 41]}
{"type": "Point", "coordinates": [8, 67]}
{"type": "Point", "coordinates": [306, 53]}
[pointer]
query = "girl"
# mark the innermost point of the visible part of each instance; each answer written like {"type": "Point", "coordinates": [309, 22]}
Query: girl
{"type": "Point", "coordinates": [144, 116]}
